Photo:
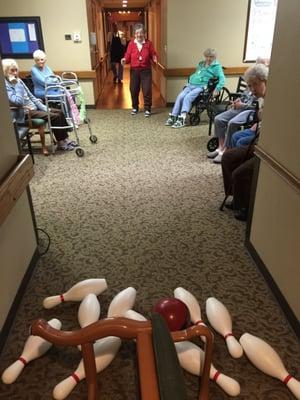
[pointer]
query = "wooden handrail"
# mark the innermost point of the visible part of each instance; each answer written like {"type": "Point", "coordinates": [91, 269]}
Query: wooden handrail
{"type": "Point", "coordinates": [80, 74]}
{"type": "Point", "coordinates": [184, 72]}
{"type": "Point", "coordinates": [13, 185]}
{"type": "Point", "coordinates": [128, 329]}
{"type": "Point", "coordinates": [287, 175]}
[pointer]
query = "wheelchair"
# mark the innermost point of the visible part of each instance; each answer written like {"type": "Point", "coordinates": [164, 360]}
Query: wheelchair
{"type": "Point", "coordinates": [201, 103]}
{"type": "Point", "coordinates": [213, 142]}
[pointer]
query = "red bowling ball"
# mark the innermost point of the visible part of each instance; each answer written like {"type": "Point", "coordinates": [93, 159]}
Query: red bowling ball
{"type": "Point", "coordinates": [175, 313]}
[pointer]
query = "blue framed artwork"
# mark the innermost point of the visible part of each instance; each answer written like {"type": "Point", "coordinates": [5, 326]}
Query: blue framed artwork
{"type": "Point", "coordinates": [20, 36]}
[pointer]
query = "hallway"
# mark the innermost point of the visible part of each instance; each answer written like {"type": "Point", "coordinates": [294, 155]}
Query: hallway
{"type": "Point", "coordinates": [141, 209]}
{"type": "Point", "coordinates": [117, 96]}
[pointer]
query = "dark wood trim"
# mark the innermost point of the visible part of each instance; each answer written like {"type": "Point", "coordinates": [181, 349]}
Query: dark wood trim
{"type": "Point", "coordinates": [252, 196]}
{"type": "Point", "coordinates": [80, 74]}
{"type": "Point", "coordinates": [288, 312]}
{"type": "Point", "coordinates": [184, 72]}
{"type": "Point", "coordinates": [18, 298]}
{"type": "Point", "coordinates": [14, 184]}
{"type": "Point", "coordinates": [288, 176]}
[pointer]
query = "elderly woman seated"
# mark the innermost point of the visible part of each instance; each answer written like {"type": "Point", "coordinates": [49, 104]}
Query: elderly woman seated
{"type": "Point", "coordinates": [205, 70]}
{"type": "Point", "coordinates": [39, 73]}
{"type": "Point", "coordinates": [22, 101]}
{"type": "Point", "coordinates": [238, 163]}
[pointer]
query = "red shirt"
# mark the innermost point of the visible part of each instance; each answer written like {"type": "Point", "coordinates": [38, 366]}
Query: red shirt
{"type": "Point", "coordinates": [140, 59]}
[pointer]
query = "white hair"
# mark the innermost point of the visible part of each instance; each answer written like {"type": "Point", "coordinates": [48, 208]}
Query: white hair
{"type": "Point", "coordinates": [38, 54]}
{"type": "Point", "coordinates": [8, 63]}
{"type": "Point", "coordinates": [210, 53]}
{"type": "Point", "coordinates": [258, 71]}
{"type": "Point", "coordinates": [138, 27]}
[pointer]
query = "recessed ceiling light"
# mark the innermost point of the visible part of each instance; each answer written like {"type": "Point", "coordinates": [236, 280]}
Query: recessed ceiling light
{"type": "Point", "coordinates": [124, 5]}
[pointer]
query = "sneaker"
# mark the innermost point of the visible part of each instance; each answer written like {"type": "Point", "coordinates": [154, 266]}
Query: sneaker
{"type": "Point", "coordinates": [72, 143]}
{"type": "Point", "coordinates": [65, 147]}
{"type": "Point", "coordinates": [179, 123]}
{"type": "Point", "coordinates": [212, 154]}
{"type": "Point", "coordinates": [218, 159]}
{"type": "Point", "coordinates": [134, 111]}
{"type": "Point", "coordinates": [147, 113]}
{"type": "Point", "coordinates": [171, 120]}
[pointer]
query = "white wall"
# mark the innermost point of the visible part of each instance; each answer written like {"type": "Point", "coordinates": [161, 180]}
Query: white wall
{"type": "Point", "coordinates": [275, 228]}
{"type": "Point", "coordinates": [17, 239]}
{"type": "Point", "coordinates": [57, 19]}
{"type": "Point", "coordinates": [194, 25]}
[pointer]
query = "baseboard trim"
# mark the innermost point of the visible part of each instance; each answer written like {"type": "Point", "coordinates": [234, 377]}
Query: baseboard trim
{"type": "Point", "coordinates": [288, 312]}
{"type": "Point", "coordinates": [16, 303]}
{"type": "Point", "coordinates": [91, 106]}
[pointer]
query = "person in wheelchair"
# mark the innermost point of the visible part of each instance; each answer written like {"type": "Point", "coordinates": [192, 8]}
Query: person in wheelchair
{"type": "Point", "coordinates": [238, 163]}
{"type": "Point", "coordinates": [23, 100]}
{"type": "Point", "coordinates": [197, 82]}
{"type": "Point", "coordinates": [229, 122]}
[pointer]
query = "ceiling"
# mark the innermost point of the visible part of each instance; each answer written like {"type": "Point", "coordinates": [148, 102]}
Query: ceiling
{"type": "Point", "coordinates": [130, 4]}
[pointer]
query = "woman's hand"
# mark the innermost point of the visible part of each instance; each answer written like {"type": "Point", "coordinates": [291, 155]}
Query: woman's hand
{"type": "Point", "coordinates": [154, 59]}
{"type": "Point", "coordinates": [123, 61]}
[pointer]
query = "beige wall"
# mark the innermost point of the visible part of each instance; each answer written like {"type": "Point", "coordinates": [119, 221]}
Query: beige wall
{"type": "Point", "coordinates": [275, 229]}
{"type": "Point", "coordinates": [58, 18]}
{"type": "Point", "coordinates": [17, 239]}
{"type": "Point", "coordinates": [194, 25]}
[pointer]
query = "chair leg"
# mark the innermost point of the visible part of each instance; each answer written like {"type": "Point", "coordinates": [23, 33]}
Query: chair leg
{"type": "Point", "coordinates": [223, 203]}
{"type": "Point", "coordinates": [43, 142]}
{"type": "Point", "coordinates": [29, 146]}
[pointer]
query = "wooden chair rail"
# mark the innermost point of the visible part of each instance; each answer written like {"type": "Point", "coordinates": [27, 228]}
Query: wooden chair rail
{"type": "Point", "coordinates": [80, 74]}
{"type": "Point", "coordinates": [13, 185]}
{"type": "Point", "coordinates": [125, 329]}
{"type": "Point", "coordinates": [184, 72]}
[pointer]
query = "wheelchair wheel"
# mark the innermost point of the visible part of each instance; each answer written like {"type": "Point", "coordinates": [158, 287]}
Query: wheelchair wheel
{"type": "Point", "coordinates": [194, 119]}
{"type": "Point", "coordinates": [213, 144]}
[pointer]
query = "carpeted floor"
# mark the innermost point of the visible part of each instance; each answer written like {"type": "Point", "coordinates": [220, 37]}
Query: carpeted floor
{"type": "Point", "coordinates": [141, 209]}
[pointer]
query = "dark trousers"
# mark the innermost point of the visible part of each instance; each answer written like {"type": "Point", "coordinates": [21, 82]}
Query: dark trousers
{"type": "Point", "coordinates": [57, 119]}
{"type": "Point", "coordinates": [237, 169]}
{"type": "Point", "coordinates": [141, 77]}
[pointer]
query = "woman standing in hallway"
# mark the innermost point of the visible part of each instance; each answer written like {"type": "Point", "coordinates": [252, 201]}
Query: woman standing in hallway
{"type": "Point", "coordinates": [116, 47]}
{"type": "Point", "coordinates": [140, 53]}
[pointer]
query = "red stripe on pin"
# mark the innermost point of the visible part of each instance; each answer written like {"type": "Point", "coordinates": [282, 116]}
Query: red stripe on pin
{"type": "Point", "coordinates": [75, 377]}
{"type": "Point", "coordinates": [227, 335]}
{"type": "Point", "coordinates": [23, 360]}
{"type": "Point", "coordinates": [216, 376]}
{"type": "Point", "coordinates": [199, 322]}
{"type": "Point", "coordinates": [287, 379]}
{"type": "Point", "coordinates": [62, 298]}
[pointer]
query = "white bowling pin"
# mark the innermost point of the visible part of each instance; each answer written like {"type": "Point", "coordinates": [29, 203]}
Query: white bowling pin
{"type": "Point", "coordinates": [122, 302]}
{"type": "Point", "coordinates": [105, 351]}
{"type": "Point", "coordinates": [219, 318]}
{"type": "Point", "coordinates": [131, 314]}
{"type": "Point", "coordinates": [191, 358]}
{"type": "Point", "coordinates": [89, 310]}
{"type": "Point", "coordinates": [265, 358]}
{"type": "Point", "coordinates": [77, 292]}
{"type": "Point", "coordinates": [192, 304]}
{"type": "Point", "coordinates": [34, 348]}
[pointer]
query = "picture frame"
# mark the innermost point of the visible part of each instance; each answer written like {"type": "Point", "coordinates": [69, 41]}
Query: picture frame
{"type": "Point", "coordinates": [20, 36]}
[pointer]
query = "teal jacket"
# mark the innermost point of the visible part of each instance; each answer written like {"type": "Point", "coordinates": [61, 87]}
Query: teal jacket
{"type": "Point", "coordinates": [203, 73]}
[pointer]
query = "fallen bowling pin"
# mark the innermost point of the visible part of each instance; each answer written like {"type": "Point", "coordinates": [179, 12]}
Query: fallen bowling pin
{"type": "Point", "coordinates": [34, 348]}
{"type": "Point", "coordinates": [89, 310]}
{"type": "Point", "coordinates": [122, 302]}
{"type": "Point", "coordinates": [191, 358]}
{"type": "Point", "coordinates": [219, 318]}
{"type": "Point", "coordinates": [131, 314]}
{"type": "Point", "coordinates": [105, 351]}
{"type": "Point", "coordinates": [192, 304]}
{"type": "Point", "coordinates": [77, 292]}
{"type": "Point", "coordinates": [265, 358]}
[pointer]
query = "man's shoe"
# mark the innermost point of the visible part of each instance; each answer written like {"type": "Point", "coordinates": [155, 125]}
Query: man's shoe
{"type": "Point", "coordinates": [229, 205]}
{"type": "Point", "coordinates": [241, 214]}
{"type": "Point", "coordinates": [179, 123]}
{"type": "Point", "coordinates": [147, 113]}
{"type": "Point", "coordinates": [218, 159]}
{"type": "Point", "coordinates": [212, 154]}
{"type": "Point", "coordinates": [134, 111]}
{"type": "Point", "coordinates": [171, 120]}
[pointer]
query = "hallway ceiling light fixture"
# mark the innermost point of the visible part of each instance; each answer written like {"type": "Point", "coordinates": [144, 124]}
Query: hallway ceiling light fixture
{"type": "Point", "coordinates": [124, 5]}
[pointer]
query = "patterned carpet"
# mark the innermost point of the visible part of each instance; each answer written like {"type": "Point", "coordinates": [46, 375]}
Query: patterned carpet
{"type": "Point", "coordinates": [141, 209]}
